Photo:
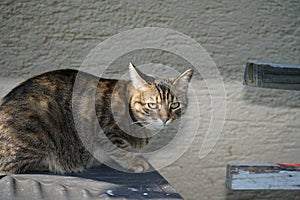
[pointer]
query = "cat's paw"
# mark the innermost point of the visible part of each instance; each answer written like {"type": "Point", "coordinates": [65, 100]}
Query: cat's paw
{"type": "Point", "coordinates": [140, 165]}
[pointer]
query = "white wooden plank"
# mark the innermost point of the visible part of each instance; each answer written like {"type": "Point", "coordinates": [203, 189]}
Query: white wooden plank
{"type": "Point", "coordinates": [262, 177]}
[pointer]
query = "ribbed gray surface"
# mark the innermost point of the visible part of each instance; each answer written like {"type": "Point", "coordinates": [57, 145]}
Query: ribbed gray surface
{"type": "Point", "coordinates": [102, 183]}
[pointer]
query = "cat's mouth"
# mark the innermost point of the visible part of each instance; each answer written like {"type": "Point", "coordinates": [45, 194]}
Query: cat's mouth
{"type": "Point", "coordinates": [156, 125]}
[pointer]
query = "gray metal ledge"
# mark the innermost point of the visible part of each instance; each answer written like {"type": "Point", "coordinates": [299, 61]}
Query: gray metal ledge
{"type": "Point", "coordinates": [98, 183]}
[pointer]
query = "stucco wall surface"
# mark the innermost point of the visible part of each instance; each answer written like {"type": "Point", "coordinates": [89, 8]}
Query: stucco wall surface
{"type": "Point", "coordinates": [261, 125]}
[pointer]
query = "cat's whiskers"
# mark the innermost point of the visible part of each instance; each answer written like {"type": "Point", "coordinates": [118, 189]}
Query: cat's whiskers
{"type": "Point", "coordinates": [151, 126]}
{"type": "Point", "coordinates": [137, 122]}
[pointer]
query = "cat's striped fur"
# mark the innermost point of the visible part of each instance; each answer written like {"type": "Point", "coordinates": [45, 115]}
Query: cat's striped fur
{"type": "Point", "coordinates": [37, 127]}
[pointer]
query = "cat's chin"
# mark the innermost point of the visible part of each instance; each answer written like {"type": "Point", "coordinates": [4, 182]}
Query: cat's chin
{"type": "Point", "coordinates": [156, 126]}
{"type": "Point", "coordinates": [155, 129]}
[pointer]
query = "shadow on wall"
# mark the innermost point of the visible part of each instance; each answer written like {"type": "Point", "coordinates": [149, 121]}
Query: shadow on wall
{"type": "Point", "coordinates": [271, 97]}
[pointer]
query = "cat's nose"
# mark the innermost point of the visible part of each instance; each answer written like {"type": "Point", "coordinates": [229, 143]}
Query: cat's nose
{"type": "Point", "coordinates": [165, 120]}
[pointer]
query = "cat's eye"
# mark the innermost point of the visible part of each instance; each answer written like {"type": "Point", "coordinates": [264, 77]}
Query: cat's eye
{"type": "Point", "coordinates": [152, 105]}
{"type": "Point", "coordinates": [174, 105]}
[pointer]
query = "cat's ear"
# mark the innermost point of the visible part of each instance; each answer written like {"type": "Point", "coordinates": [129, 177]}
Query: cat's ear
{"type": "Point", "coordinates": [182, 81]}
{"type": "Point", "coordinates": [136, 77]}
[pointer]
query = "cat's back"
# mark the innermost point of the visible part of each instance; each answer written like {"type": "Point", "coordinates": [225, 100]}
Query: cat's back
{"type": "Point", "coordinates": [36, 124]}
{"type": "Point", "coordinates": [39, 99]}
{"type": "Point", "coordinates": [52, 83]}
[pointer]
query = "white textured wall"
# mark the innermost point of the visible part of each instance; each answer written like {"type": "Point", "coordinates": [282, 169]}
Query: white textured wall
{"type": "Point", "coordinates": [262, 125]}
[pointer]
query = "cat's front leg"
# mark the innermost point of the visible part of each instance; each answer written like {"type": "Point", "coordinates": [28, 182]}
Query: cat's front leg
{"type": "Point", "coordinates": [137, 164]}
{"type": "Point", "coordinates": [123, 153]}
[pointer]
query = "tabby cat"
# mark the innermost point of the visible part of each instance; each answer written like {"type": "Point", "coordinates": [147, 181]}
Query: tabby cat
{"type": "Point", "coordinates": [38, 130]}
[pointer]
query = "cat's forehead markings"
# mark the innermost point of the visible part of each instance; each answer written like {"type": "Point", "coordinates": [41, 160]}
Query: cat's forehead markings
{"type": "Point", "coordinates": [158, 99]}
{"type": "Point", "coordinates": [164, 92]}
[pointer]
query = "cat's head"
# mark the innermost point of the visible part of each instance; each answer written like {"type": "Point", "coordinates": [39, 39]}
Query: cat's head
{"type": "Point", "coordinates": [157, 102]}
